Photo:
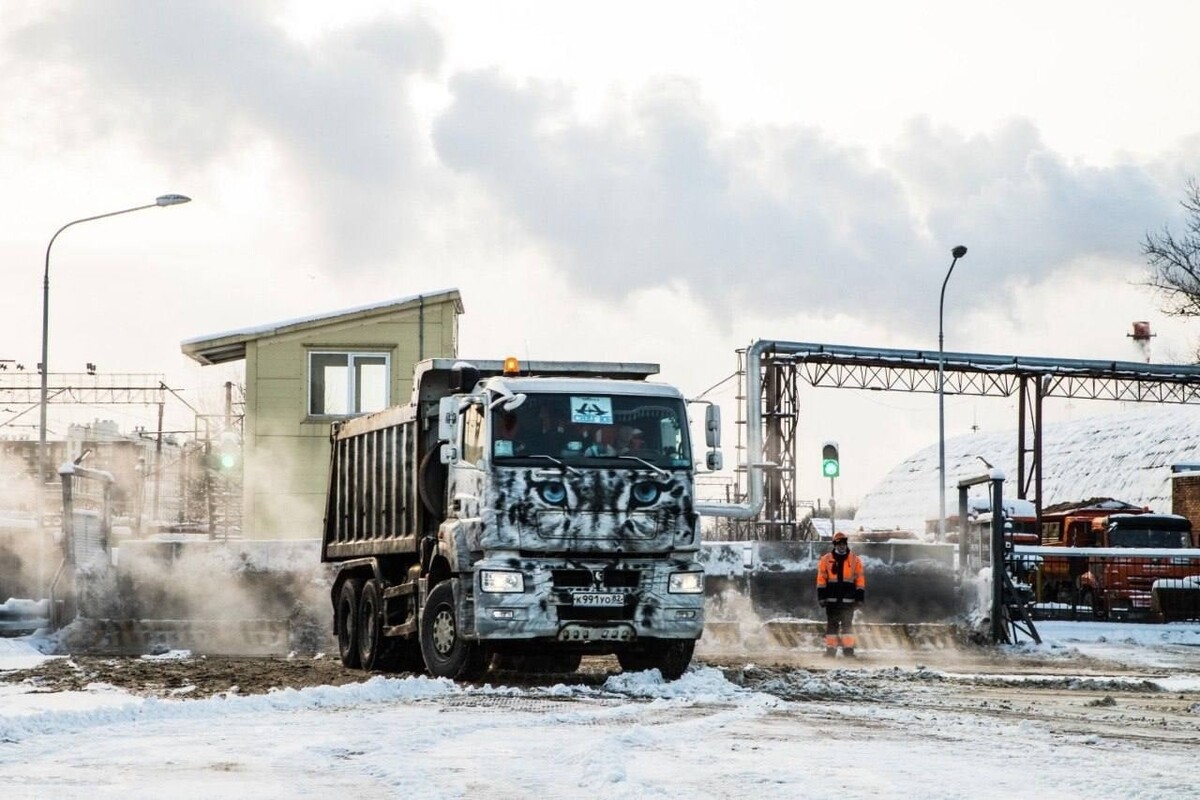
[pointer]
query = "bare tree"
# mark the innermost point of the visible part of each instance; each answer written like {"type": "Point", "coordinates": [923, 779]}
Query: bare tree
{"type": "Point", "coordinates": [1175, 262]}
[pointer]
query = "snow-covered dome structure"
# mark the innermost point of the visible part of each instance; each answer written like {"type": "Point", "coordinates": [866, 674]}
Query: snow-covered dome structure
{"type": "Point", "coordinates": [1127, 456]}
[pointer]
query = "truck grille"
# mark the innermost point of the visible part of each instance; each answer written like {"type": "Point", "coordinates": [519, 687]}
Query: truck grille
{"type": "Point", "coordinates": [585, 579]}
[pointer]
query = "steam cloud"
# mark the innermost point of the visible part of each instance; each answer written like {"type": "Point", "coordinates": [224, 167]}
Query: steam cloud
{"type": "Point", "coordinates": [657, 194]}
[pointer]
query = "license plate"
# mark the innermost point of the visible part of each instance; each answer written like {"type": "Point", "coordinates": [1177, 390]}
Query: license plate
{"type": "Point", "coordinates": [599, 599]}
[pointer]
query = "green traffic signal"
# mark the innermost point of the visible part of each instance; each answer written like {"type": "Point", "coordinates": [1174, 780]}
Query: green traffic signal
{"type": "Point", "coordinates": [830, 466]}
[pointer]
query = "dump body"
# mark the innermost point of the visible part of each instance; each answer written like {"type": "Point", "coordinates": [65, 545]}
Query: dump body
{"type": "Point", "coordinates": [555, 513]}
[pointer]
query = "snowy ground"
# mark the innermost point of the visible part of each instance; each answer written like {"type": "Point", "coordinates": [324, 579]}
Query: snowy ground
{"type": "Point", "coordinates": [1102, 709]}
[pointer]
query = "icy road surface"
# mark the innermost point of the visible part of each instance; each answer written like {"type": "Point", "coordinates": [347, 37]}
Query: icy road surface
{"type": "Point", "coordinates": [1102, 711]}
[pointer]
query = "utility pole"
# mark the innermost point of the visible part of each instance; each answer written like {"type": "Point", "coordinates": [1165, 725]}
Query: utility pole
{"type": "Point", "coordinates": [158, 464]}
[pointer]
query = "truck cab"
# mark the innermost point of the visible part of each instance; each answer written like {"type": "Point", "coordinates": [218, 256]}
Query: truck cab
{"type": "Point", "coordinates": [570, 508]}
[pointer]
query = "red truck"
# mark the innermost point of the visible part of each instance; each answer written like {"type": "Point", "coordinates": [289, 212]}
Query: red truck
{"type": "Point", "coordinates": [1099, 575]}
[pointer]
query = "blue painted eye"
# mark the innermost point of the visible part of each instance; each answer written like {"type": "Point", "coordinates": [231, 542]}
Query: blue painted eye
{"type": "Point", "coordinates": [646, 493]}
{"type": "Point", "coordinates": [552, 492]}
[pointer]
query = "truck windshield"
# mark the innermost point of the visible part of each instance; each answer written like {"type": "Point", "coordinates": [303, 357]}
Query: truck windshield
{"type": "Point", "coordinates": [1147, 537]}
{"type": "Point", "coordinates": [592, 431]}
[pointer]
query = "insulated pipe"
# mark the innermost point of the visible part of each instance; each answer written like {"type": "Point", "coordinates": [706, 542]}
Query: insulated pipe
{"type": "Point", "coordinates": [754, 443]}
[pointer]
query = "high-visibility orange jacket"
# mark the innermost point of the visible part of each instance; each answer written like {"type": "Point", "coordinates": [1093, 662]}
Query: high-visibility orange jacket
{"type": "Point", "coordinates": [841, 580]}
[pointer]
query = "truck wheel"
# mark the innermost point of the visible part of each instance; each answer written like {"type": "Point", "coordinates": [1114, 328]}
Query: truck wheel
{"type": "Point", "coordinates": [372, 646]}
{"type": "Point", "coordinates": [446, 653]}
{"type": "Point", "coordinates": [347, 619]}
{"type": "Point", "coordinates": [669, 656]}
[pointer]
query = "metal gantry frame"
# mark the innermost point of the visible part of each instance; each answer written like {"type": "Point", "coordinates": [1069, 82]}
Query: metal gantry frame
{"type": "Point", "coordinates": [1032, 378]}
{"type": "Point", "coordinates": [83, 389]}
{"type": "Point", "coordinates": [1007, 613]}
{"type": "Point", "coordinates": [780, 415]}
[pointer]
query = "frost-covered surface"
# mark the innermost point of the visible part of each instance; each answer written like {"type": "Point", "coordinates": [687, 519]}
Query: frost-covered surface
{"type": "Point", "coordinates": [760, 732]}
{"type": "Point", "coordinates": [1173, 645]}
{"type": "Point", "coordinates": [1126, 456]}
{"type": "Point", "coordinates": [258, 331]}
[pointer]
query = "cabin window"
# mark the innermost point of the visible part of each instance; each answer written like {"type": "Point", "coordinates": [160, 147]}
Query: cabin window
{"type": "Point", "coordinates": [345, 384]}
{"type": "Point", "coordinates": [473, 439]}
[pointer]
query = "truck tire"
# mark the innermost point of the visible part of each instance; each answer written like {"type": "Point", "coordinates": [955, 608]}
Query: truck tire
{"type": "Point", "coordinates": [372, 646]}
{"type": "Point", "coordinates": [669, 656]}
{"type": "Point", "coordinates": [347, 619]}
{"type": "Point", "coordinates": [446, 653]}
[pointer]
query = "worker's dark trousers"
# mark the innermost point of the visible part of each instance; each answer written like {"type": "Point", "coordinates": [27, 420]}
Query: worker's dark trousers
{"type": "Point", "coordinates": [839, 626]}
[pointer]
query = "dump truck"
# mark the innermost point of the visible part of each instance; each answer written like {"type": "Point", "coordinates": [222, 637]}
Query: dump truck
{"type": "Point", "coordinates": [1116, 560]}
{"type": "Point", "coordinates": [519, 517]}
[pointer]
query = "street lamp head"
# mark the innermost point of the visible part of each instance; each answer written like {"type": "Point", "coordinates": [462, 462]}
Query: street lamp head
{"type": "Point", "coordinates": [176, 199]}
{"type": "Point", "coordinates": [957, 252]}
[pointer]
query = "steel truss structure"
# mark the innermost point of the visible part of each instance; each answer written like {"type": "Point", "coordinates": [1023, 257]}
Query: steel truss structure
{"type": "Point", "coordinates": [1032, 379]}
{"type": "Point", "coordinates": [84, 388]}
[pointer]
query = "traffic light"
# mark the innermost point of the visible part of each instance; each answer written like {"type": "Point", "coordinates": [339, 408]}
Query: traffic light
{"type": "Point", "coordinates": [229, 451]}
{"type": "Point", "coordinates": [830, 467]}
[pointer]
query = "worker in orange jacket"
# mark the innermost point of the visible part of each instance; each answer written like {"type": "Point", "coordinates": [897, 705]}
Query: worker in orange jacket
{"type": "Point", "coordinates": [841, 586]}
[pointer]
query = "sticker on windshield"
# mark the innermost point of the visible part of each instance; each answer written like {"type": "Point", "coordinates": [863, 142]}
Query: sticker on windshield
{"type": "Point", "coordinates": [591, 410]}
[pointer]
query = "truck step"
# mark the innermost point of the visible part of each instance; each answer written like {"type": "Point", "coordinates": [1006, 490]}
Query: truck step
{"type": "Point", "coordinates": [403, 629]}
{"type": "Point", "coordinates": [399, 590]}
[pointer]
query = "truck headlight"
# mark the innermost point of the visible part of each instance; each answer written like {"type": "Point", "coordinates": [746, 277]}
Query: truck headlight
{"type": "Point", "coordinates": [686, 583]}
{"type": "Point", "coordinates": [501, 581]}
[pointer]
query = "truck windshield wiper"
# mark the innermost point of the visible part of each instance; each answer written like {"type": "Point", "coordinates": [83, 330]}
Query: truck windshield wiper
{"type": "Point", "coordinates": [560, 464]}
{"type": "Point", "coordinates": [661, 472]}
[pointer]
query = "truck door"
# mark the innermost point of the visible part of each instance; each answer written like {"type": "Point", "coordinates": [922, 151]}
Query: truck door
{"type": "Point", "coordinates": [466, 474]}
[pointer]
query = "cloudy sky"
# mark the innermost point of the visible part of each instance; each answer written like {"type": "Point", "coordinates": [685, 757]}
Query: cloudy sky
{"type": "Point", "coordinates": [619, 180]}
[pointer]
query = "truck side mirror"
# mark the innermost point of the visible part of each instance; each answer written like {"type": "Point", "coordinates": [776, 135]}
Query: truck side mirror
{"type": "Point", "coordinates": [448, 454]}
{"type": "Point", "coordinates": [712, 426]}
{"type": "Point", "coordinates": [713, 461]}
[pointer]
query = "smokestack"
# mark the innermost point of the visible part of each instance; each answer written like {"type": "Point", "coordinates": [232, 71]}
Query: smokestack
{"type": "Point", "coordinates": [1141, 337]}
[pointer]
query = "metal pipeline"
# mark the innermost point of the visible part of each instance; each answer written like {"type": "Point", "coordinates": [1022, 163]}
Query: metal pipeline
{"type": "Point", "coordinates": [754, 444]}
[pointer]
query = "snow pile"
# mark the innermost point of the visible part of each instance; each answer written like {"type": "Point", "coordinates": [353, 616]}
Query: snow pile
{"type": "Point", "coordinates": [698, 684]}
{"type": "Point", "coordinates": [19, 654]}
{"type": "Point", "coordinates": [169, 655]}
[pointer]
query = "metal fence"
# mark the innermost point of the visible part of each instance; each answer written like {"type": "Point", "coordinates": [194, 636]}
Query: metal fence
{"type": "Point", "coordinates": [1151, 585]}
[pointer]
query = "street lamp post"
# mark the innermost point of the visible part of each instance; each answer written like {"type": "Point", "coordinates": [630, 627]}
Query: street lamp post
{"type": "Point", "coordinates": [957, 253]}
{"type": "Point", "coordinates": [163, 201]}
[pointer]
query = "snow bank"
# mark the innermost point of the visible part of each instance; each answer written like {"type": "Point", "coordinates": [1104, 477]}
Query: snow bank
{"type": "Point", "coordinates": [20, 653]}
{"type": "Point", "coordinates": [699, 685]}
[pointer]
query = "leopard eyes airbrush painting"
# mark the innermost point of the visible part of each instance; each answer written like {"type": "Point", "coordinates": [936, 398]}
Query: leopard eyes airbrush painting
{"type": "Point", "coordinates": [591, 504]}
{"type": "Point", "coordinates": [642, 493]}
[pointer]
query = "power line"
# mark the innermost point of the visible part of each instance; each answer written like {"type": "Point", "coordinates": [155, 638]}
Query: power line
{"type": "Point", "coordinates": [724, 380]}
